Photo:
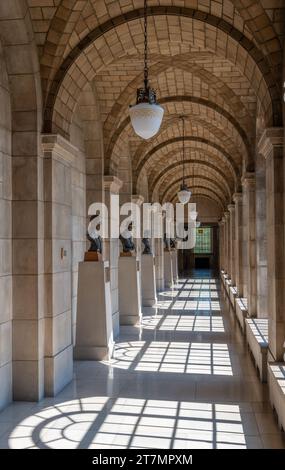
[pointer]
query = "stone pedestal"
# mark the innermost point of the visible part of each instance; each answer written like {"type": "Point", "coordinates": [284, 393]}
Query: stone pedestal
{"type": "Point", "coordinates": [94, 335]}
{"type": "Point", "coordinates": [174, 265]}
{"type": "Point", "coordinates": [149, 298]}
{"type": "Point", "coordinates": [129, 290]}
{"type": "Point", "coordinates": [168, 269]}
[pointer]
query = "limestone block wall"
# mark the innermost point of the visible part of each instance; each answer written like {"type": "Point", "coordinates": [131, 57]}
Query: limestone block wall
{"type": "Point", "coordinates": [5, 239]}
{"type": "Point", "coordinates": [261, 238]}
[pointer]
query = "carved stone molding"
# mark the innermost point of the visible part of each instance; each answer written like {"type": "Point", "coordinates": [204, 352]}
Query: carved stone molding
{"type": "Point", "coordinates": [271, 137]}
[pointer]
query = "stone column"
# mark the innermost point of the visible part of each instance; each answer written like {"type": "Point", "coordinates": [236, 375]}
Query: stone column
{"type": "Point", "coordinates": [248, 183]}
{"type": "Point", "coordinates": [28, 268]}
{"type": "Point", "coordinates": [159, 263]}
{"type": "Point", "coordinates": [58, 363]}
{"type": "Point", "coordinates": [138, 199]}
{"type": "Point", "coordinates": [271, 147]}
{"type": "Point", "coordinates": [112, 186]}
{"type": "Point", "coordinates": [237, 198]}
{"type": "Point", "coordinates": [261, 244]}
{"type": "Point", "coordinates": [221, 243]}
{"type": "Point", "coordinates": [231, 209]}
{"type": "Point", "coordinates": [227, 263]}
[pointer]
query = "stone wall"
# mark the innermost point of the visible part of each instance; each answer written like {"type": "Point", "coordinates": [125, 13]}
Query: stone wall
{"type": "Point", "coordinates": [5, 239]}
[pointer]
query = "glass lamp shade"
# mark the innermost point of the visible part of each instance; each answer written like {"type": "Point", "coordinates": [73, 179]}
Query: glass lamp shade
{"type": "Point", "coordinates": [146, 119]}
{"type": "Point", "coordinates": [198, 224]}
{"type": "Point", "coordinates": [193, 215]}
{"type": "Point", "coordinates": [184, 195]}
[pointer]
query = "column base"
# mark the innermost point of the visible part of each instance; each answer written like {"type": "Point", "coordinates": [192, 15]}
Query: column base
{"type": "Point", "coordinates": [58, 371]}
{"type": "Point", "coordinates": [5, 385]}
{"type": "Point", "coordinates": [28, 383]}
{"type": "Point", "coordinates": [94, 353]}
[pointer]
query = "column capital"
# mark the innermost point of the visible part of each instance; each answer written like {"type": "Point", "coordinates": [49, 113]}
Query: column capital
{"type": "Point", "coordinates": [60, 147]}
{"type": "Point", "coordinates": [231, 208]}
{"type": "Point", "coordinates": [222, 221]}
{"type": "Point", "coordinates": [237, 197]}
{"type": "Point", "coordinates": [271, 137]}
{"type": "Point", "coordinates": [137, 199]}
{"type": "Point", "coordinates": [112, 184]}
{"type": "Point", "coordinates": [248, 180]}
{"type": "Point", "coordinates": [226, 215]}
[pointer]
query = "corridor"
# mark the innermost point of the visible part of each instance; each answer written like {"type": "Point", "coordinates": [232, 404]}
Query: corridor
{"type": "Point", "coordinates": [183, 379]}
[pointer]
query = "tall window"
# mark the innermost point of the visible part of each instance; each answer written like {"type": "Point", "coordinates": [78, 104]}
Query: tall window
{"type": "Point", "coordinates": [203, 240]}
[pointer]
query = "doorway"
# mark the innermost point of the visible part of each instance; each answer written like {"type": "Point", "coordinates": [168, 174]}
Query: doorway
{"type": "Point", "coordinates": [202, 262]}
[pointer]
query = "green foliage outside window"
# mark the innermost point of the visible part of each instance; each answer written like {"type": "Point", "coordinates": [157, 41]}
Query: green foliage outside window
{"type": "Point", "coordinates": [203, 240]}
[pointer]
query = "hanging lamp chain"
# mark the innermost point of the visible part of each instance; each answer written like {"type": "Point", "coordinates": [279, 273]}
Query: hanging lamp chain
{"type": "Point", "coordinates": [146, 94]}
{"type": "Point", "coordinates": [145, 47]}
{"type": "Point", "coordinates": [183, 168]}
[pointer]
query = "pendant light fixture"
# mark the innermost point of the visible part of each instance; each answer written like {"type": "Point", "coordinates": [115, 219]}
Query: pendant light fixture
{"type": "Point", "coordinates": [146, 115]}
{"type": "Point", "coordinates": [184, 194]}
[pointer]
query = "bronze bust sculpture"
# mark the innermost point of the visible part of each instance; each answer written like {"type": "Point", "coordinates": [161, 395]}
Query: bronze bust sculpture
{"type": "Point", "coordinates": [93, 234]}
{"type": "Point", "coordinates": [147, 246]}
{"type": "Point", "coordinates": [127, 240]}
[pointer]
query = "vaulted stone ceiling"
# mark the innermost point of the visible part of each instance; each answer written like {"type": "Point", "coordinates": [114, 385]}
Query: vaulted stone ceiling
{"type": "Point", "coordinates": [218, 63]}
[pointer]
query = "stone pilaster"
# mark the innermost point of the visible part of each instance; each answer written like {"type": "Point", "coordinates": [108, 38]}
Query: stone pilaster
{"type": "Point", "coordinates": [227, 224]}
{"type": "Point", "coordinates": [112, 186]}
{"type": "Point", "coordinates": [237, 198]}
{"type": "Point", "coordinates": [271, 146]}
{"type": "Point", "coordinates": [159, 263]}
{"type": "Point", "coordinates": [231, 209]}
{"type": "Point", "coordinates": [28, 269]}
{"type": "Point", "coordinates": [261, 236]}
{"type": "Point", "coordinates": [58, 350]}
{"type": "Point", "coordinates": [222, 243]}
{"type": "Point", "coordinates": [139, 200]}
{"type": "Point", "coordinates": [248, 184]}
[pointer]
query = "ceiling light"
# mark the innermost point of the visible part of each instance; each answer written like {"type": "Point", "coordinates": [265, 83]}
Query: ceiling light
{"type": "Point", "coordinates": [146, 115]}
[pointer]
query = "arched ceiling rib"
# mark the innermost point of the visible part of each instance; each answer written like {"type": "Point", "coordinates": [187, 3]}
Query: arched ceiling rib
{"type": "Point", "coordinates": [176, 168]}
{"type": "Point", "coordinates": [218, 64]}
{"type": "Point", "coordinates": [201, 180]}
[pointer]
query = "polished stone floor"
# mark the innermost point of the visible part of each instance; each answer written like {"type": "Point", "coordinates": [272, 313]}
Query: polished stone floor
{"type": "Point", "coordinates": [183, 379]}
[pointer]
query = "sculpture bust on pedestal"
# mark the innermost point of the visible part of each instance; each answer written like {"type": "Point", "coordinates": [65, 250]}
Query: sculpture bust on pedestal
{"type": "Point", "coordinates": [93, 235]}
{"type": "Point", "coordinates": [147, 243]}
{"type": "Point", "coordinates": [127, 240]}
{"type": "Point", "coordinates": [147, 246]}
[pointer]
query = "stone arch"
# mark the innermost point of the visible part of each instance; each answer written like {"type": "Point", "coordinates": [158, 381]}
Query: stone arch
{"type": "Point", "coordinates": [178, 165]}
{"type": "Point", "coordinates": [202, 190]}
{"type": "Point", "coordinates": [224, 155]}
{"type": "Point", "coordinates": [236, 39]}
{"type": "Point", "coordinates": [230, 99]}
{"type": "Point", "coordinates": [191, 180]}
{"type": "Point", "coordinates": [241, 138]}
